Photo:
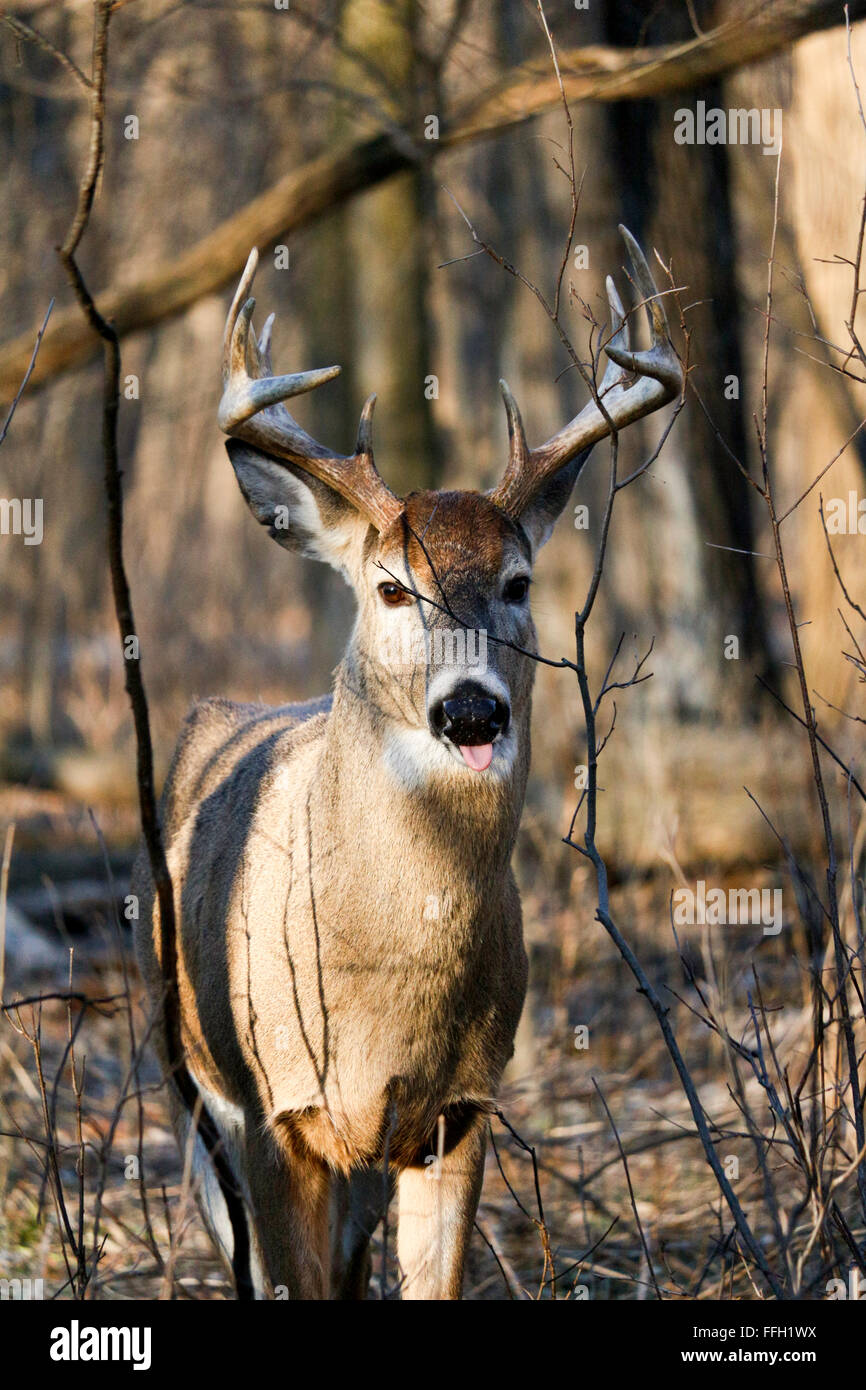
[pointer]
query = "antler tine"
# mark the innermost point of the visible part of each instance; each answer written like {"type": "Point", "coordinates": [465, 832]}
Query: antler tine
{"type": "Point", "coordinates": [518, 452]}
{"type": "Point", "coordinates": [656, 316]}
{"type": "Point", "coordinates": [245, 393]}
{"type": "Point", "coordinates": [364, 443]}
{"type": "Point", "coordinates": [252, 409]}
{"type": "Point", "coordinates": [618, 338]}
{"type": "Point", "coordinates": [241, 295]}
{"type": "Point", "coordinates": [658, 361]}
{"type": "Point", "coordinates": [659, 380]}
{"type": "Point", "coordinates": [265, 368]}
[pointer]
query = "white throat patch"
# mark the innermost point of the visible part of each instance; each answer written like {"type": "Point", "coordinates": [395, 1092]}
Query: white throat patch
{"type": "Point", "coordinates": [414, 759]}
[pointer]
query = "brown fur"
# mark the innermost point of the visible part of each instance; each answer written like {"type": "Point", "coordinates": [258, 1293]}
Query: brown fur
{"type": "Point", "coordinates": [351, 964]}
{"type": "Point", "coordinates": [351, 957]}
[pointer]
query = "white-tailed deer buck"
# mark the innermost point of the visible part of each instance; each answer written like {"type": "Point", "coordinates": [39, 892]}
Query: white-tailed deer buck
{"type": "Point", "coordinates": [351, 963]}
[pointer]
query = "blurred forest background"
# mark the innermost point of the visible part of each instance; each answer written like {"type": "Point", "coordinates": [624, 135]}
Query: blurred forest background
{"type": "Point", "coordinates": [229, 99]}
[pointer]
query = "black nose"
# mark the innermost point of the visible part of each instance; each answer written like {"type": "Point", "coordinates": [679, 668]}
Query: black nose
{"type": "Point", "coordinates": [470, 715]}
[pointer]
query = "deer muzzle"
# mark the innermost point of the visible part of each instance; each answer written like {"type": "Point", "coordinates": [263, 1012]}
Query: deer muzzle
{"type": "Point", "coordinates": [471, 718]}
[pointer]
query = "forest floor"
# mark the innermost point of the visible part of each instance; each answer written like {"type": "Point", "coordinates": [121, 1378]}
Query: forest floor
{"type": "Point", "coordinates": [572, 1219]}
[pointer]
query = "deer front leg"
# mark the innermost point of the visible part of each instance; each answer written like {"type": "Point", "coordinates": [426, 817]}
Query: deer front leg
{"type": "Point", "coordinates": [436, 1210]}
{"type": "Point", "coordinates": [289, 1192]}
{"type": "Point", "coordinates": [358, 1205]}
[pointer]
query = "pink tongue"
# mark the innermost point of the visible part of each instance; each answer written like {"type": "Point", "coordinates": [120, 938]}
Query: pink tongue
{"type": "Point", "coordinates": [477, 756]}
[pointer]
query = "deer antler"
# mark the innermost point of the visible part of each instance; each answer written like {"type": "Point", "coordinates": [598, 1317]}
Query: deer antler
{"type": "Point", "coordinates": [659, 380]}
{"type": "Point", "coordinates": [252, 409]}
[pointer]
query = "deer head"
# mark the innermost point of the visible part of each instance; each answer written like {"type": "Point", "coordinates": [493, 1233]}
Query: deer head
{"type": "Point", "coordinates": [441, 578]}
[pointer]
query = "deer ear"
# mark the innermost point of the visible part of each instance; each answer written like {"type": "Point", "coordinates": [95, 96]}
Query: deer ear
{"type": "Point", "coordinates": [541, 514]}
{"type": "Point", "coordinates": [300, 512]}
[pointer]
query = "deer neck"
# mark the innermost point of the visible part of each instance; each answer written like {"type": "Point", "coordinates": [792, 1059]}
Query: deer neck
{"type": "Point", "coordinates": [383, 780]}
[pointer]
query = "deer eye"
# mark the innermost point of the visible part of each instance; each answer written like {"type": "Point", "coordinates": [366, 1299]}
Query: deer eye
{"type": "Point", "coordinates": [393, 595]}
{"type": "Point", "coordinates": [516, 589]}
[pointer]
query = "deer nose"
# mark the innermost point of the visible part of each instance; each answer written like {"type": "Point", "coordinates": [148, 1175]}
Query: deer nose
{"type": "Point", "coordinates": [470, 716]}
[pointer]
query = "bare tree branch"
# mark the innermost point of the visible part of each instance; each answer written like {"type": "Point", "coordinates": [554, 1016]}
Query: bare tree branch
{"type": "Point", "coordinates": [27, 375]}
{"type": "Point", "coordinates": [304, 194]}
{"type": "Point", "coordinates": [105, 331]}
